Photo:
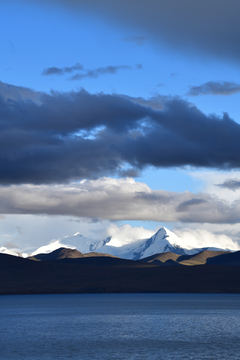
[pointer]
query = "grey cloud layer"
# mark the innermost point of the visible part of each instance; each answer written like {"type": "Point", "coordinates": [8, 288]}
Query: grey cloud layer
{"type": "Point", "coordinates": [76, 135]}
{"type": "Point", "coordinates": [135, 201]}
{"type": "Point", "coordinates": [230, 184]}
{"type": "Point", "coordinates": [200, 25]}
{"type": "Point", "coordinates": [214, 88]}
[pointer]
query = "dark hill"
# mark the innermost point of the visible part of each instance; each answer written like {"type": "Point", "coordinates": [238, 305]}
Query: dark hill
{"type": "Point", "coordinates": [229, 259]}
{"type": "Point", "coordinates": [65, 253]}
{"type": "Point", "coordinates": [168, 262]}
{"type": "Point", "coordinates": [61, 253]}
{"type": "Point", "coordinates": [96, 254]}
{"type": "Point", "coordinates": [161, 257]}
{"type": "Point", "coordinates": [197, 259]}
{"type": "Point", "coordinates": [108, 261]}
{"type": "Point", "coordinates": [110, 275]}
{"type": "Point", "coordinates": [201, 258]}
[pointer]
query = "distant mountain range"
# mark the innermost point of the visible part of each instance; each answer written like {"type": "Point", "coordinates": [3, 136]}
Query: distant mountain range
{"type": "Point", "coordinates": [161, 259]}
{"type": "Point", "coordinates": [66, 270]}
{"type": "Point", "coordinates": [162, 241]}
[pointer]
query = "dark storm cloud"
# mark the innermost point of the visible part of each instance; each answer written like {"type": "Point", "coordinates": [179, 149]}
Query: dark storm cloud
{"type": "Point", "coordinates": [230, 184]}
{"type": "Point", "coordinates": [61, 71]}
{"type": "Point", "coordinates": [76, 135]}
{"type": "Point", "coordinates": [184, 206]}
{"type": "Point", "coordinates": [210, 26]}
{"type": "Point", "coordinates": [129, 173]}
{"type": "Point", "coordinates": [93, 74]}
{"type": "Point", "coordinates": [214, 88]}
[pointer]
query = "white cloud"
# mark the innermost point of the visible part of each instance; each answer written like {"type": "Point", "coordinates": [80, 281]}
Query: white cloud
{"type": "Point", "coordinates": [211, 180]}
{"type": "Point", "coordinates": [89, 207]}
{"type": "Point", "coordinates": [41, 230]}
{"type": "Point", "coordinates": [198, 238]}
{"type": "Point", "coordinates": [117, 199]}
{"type": "Point", "coordinates": [50, 232]}
{"type": "Point", "coordinates": [126, 234]}
{"type": "Point", "coordinates": [232, 231]}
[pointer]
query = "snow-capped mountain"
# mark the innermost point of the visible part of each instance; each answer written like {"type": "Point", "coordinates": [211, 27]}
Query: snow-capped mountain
{"type": "Point", "coordinates": [76, 241]}
{"type": "Point", "coordinates": [162, 241]}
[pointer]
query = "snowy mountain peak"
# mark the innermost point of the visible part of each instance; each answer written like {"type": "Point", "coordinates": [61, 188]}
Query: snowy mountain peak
{"type": "Point", "coordinates": [161, 234]}
{"type": "Point", "coordinates": [162, 241]}
{"type": "Point", "coordinates": [75, 241]}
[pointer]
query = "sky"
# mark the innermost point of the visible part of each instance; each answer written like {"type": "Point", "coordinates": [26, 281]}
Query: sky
{"type": "Point", "coordinates": [118, 117]}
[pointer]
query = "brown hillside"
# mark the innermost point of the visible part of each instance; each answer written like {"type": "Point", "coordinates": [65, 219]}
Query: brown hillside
{"type": "Point", "coordinates": [59, 254]}
{"type": "Point", "coordinates": [201, 258]}
{"type": "Point", "coordinates": [96, 254]}
{"type": "Point", "coordinates": [163, 257]}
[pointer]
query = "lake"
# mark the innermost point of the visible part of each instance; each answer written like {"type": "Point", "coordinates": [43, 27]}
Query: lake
{"type": "Point", "coordinates": [120, 326]}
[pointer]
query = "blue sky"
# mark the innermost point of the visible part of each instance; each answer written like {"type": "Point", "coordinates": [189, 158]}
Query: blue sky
{"type": "Point", "coordinates": [35, 37]}
{"type": "Point", "coordinates": [119, 50]}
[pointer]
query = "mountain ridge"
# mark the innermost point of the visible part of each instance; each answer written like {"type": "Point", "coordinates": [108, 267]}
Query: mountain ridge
{"type": "Point", "coordinates": [113, 275]}
{"type": "Point", "coordinates": [162, 241]}
{"type": "Point", "coordinates": [67, 253]}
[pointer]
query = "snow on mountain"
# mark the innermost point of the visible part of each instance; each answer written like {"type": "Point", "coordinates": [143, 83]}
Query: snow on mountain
{"type": "Point", "coordinates": [76, 241]}
{"type": "Point", "coordinates": [4, 250]}
{"type": "Point", "coordinates": [163, 240]}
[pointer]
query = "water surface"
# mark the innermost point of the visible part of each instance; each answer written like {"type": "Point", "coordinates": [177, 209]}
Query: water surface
{"type": "Point", "coordinates": [120, 326]}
